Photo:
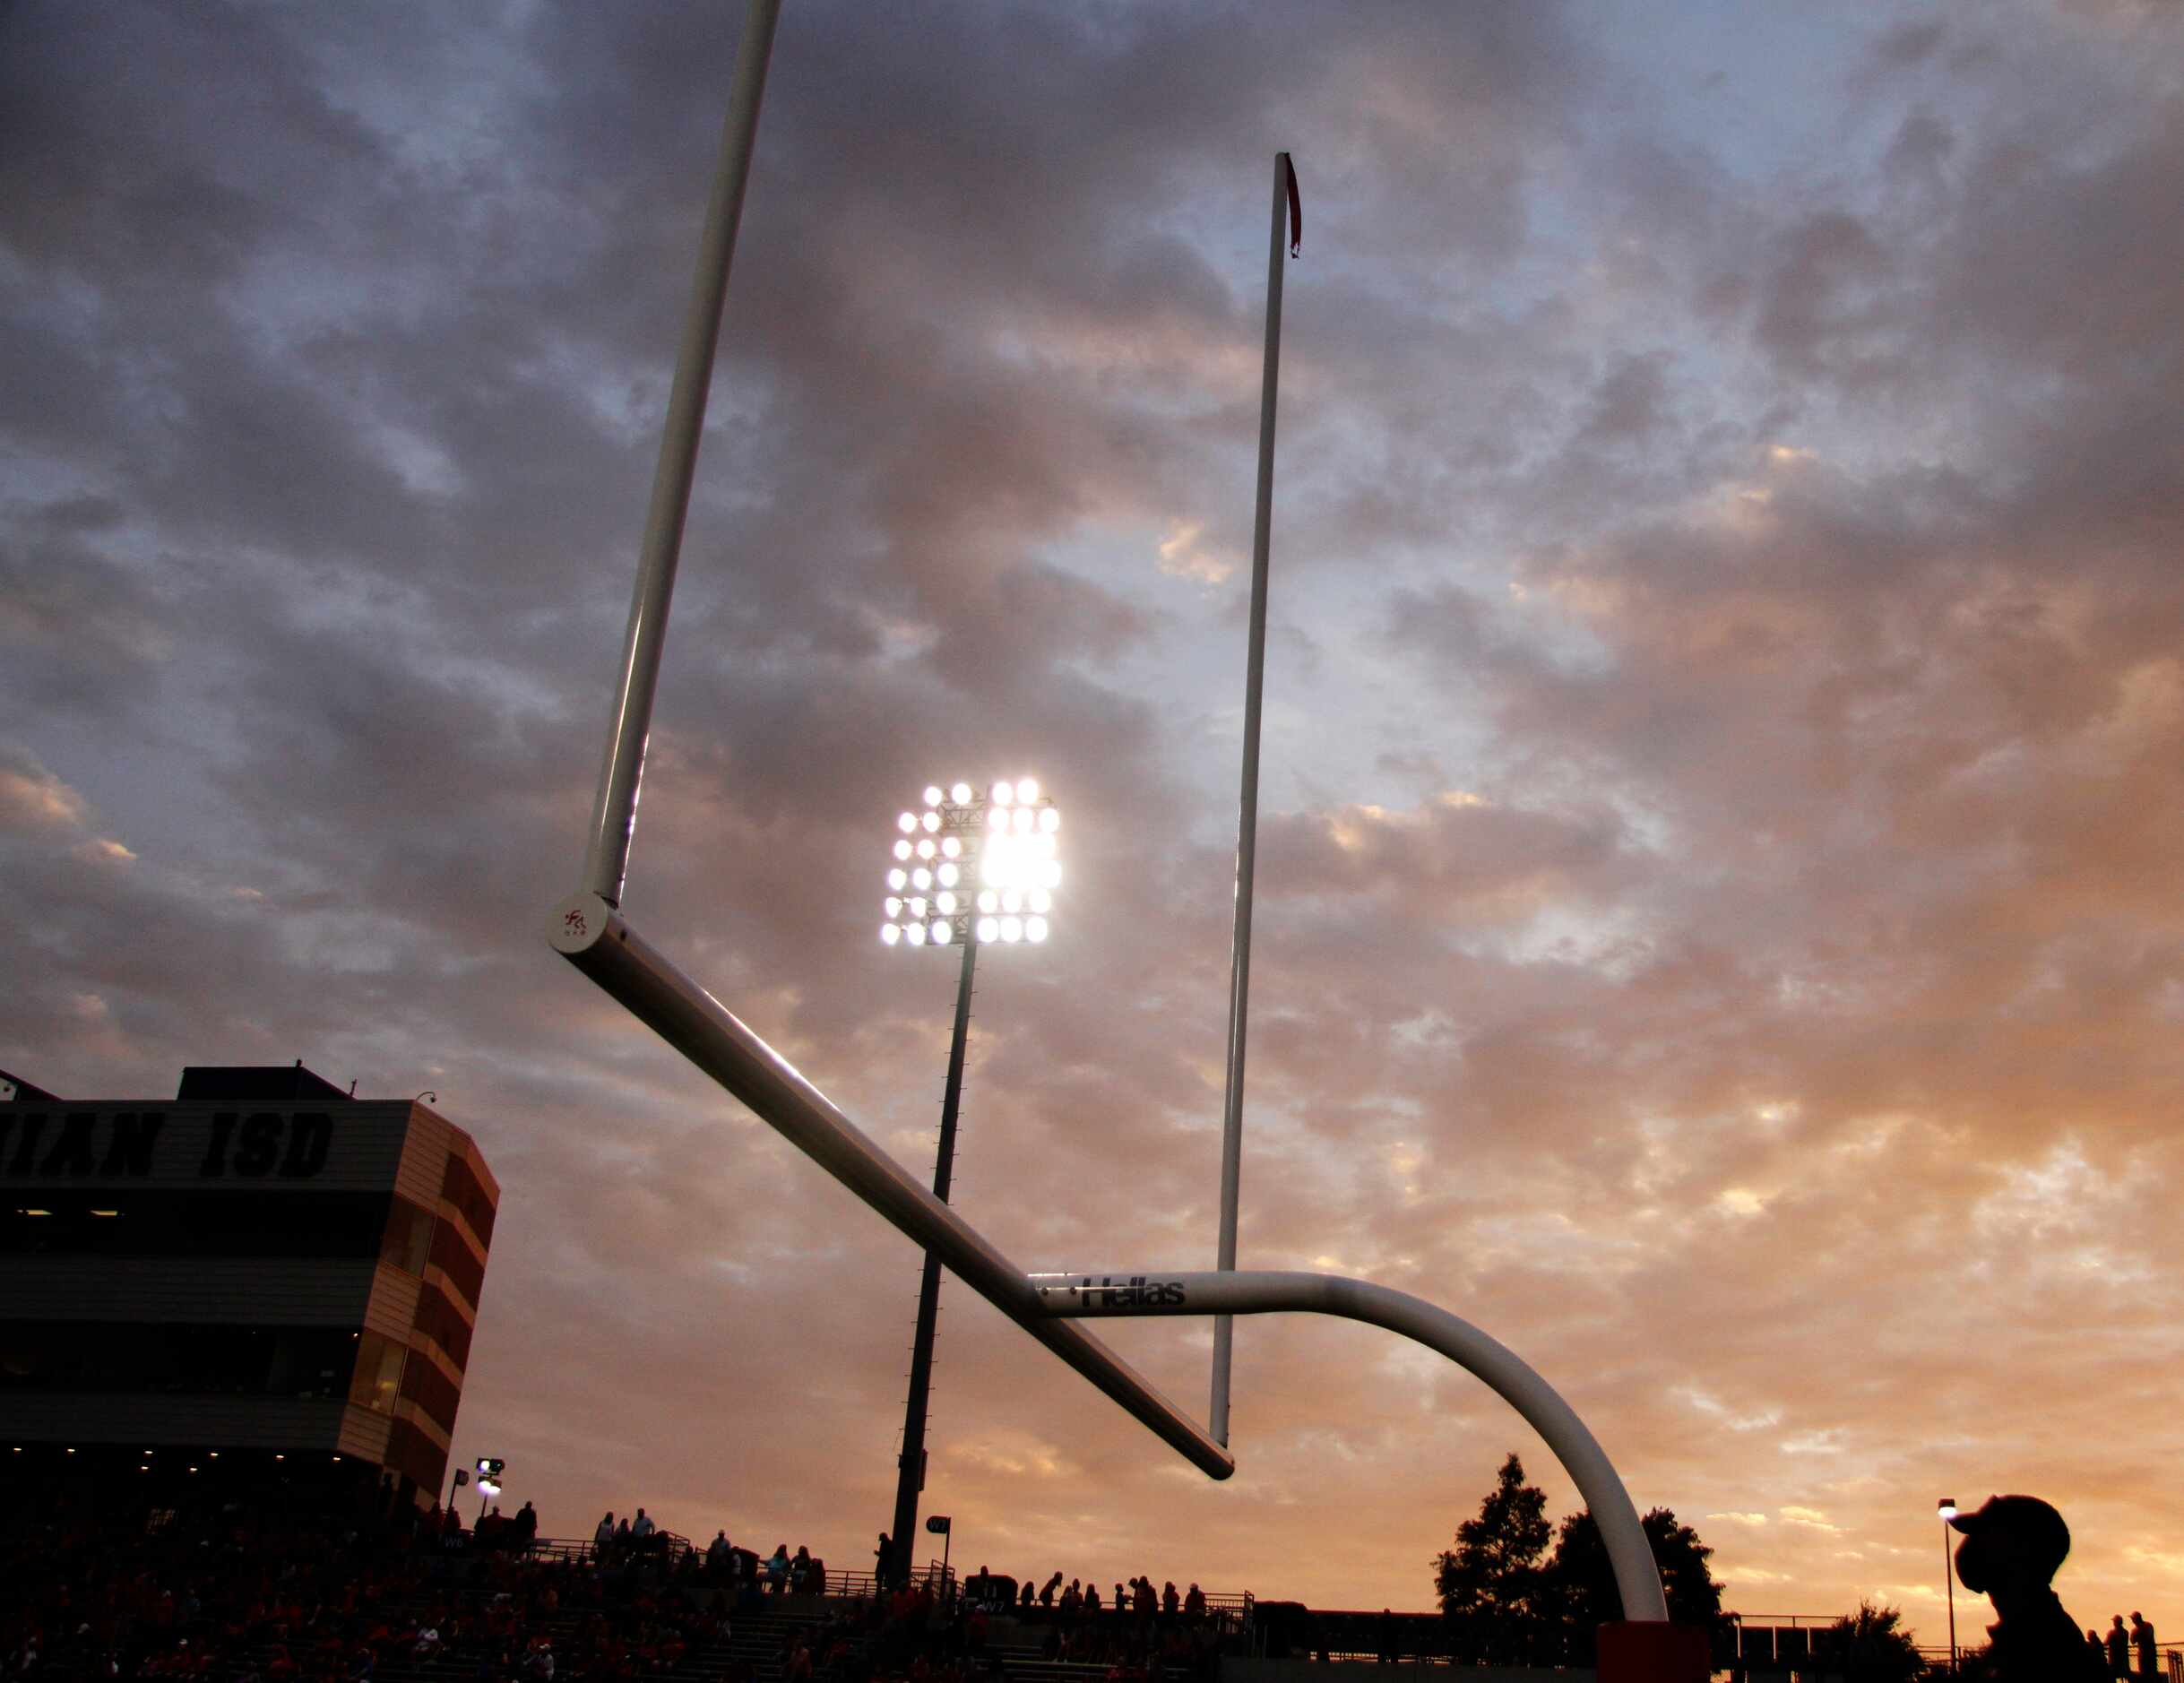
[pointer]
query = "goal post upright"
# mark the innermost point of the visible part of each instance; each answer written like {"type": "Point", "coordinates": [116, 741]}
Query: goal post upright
{"type": "Point", "coordinates": [1288, 218]}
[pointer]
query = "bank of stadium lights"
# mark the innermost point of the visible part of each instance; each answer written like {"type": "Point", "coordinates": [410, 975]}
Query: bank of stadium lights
{"type": "Point", "coordinates": [974, 863]}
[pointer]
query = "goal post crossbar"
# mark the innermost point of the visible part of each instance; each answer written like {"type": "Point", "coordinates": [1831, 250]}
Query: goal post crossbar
{"type": "Point", "coordinates": [597, 940]}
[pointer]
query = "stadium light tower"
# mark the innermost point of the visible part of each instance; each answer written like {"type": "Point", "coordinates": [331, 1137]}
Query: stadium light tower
{"type": "Point", "coordinates": [973, 867]}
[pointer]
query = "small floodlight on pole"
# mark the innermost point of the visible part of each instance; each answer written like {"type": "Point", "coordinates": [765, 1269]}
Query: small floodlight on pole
{"type": "Point", "coordinates": [972, 866]}
{"type": "Point", "coordinates": [945, 1527]}
{"type": "Point", "coordinates": [1948, 1509]}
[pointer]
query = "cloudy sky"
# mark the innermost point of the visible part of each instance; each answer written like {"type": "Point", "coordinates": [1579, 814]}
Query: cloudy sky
{"type": "Point", "coordinates": [1724, 757]}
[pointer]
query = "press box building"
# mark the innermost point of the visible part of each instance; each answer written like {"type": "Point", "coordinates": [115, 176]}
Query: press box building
{"type": "Point", "coordinates": [261, 1275]}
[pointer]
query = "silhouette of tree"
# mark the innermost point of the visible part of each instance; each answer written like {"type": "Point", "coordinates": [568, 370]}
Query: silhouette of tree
{"type": "Point", "coordinates": [1869, 1647]}
{"type": "Point", "coordinates": [1581, 1582]}
{"type": "Point", "coordinates": [1490, 1583]}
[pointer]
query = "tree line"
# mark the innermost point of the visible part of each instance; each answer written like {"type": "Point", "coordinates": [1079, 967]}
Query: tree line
{"type": "Point", "coordinates": [1508, 1600]}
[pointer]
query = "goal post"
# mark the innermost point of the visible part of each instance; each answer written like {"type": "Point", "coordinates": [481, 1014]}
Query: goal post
{"type": "Point", "coordinates": [595, 937]}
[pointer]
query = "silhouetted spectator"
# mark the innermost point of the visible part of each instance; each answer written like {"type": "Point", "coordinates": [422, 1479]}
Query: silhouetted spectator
{"type": "Point", "coordinates": [1169, 1601]}
{"type": "Point", "coordinates": [2012, 1546]}
{"type": "Point", "coordinates": [2118, 1647]}
{"type": "Point", "coordinates": [2142, 1639]}
{"type": "Point", "coordinates": [602, 1536]}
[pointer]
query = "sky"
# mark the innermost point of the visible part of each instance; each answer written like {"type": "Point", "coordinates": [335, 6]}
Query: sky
{"type": "Point", "coordinates": [1717, 925]}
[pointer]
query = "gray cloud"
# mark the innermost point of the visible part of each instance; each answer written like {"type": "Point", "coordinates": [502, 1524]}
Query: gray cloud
{"type": "Point", "coordinates": [1715, 924]}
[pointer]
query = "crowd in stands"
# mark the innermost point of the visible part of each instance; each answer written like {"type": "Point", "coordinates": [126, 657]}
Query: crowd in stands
{"type": "Point", "coordinates": [391, 1595]}
{"type": "Point", "coordinates": [304, 1606]}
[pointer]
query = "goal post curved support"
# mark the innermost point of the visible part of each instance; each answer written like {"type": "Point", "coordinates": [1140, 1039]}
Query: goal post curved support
{"type": "Point", "coordinates": [1142, 1291]}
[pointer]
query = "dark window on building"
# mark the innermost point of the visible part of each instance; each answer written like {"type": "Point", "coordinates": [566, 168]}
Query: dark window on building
{"type": "Point", "coordinates": [459, 1261]}
{"type": "Point", "coordinates": [142, 1221]}
{"type": "Point", "coordinates": [407, 1243]}
{"type": "Point", "coordinates": [182, 1360]}
{"type": "Point", "coordinates": [439, 1320]}
{"type": "Point", "coordinates": [462, 1187]}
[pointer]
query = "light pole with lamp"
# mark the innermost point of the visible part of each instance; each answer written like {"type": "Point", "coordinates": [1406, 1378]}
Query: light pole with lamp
{"type": "Point", "coordinates": [1948, 1509]}
{"type": "Point", "coordinates": [489, 1469]}
{"type": "Point", "coordinates": [973, 867]}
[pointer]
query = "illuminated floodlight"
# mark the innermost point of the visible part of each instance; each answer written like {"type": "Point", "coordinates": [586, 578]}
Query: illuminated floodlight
{"type": "Point", "coordinates": [889, 935]}
{"type": "Point", "coordinates": [974, 865]}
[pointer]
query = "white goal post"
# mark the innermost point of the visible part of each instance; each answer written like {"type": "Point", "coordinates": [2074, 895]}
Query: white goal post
{"type": "Point", "coordinates": [589, 929]}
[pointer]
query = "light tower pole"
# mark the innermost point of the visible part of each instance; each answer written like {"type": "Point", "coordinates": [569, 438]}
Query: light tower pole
{"type": "Point", "coordinates": [1947, 1508]}
{"type": "Point", "coordinates": [972, 867]}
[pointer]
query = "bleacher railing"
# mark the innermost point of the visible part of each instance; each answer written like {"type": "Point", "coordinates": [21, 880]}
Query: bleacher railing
{"type": "Point", "coordinates": [1232, 1611]}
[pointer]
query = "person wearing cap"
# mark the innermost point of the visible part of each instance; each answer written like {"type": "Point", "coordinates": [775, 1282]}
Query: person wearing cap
{"type": "Point", "coordinates": [2013, 1547]}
